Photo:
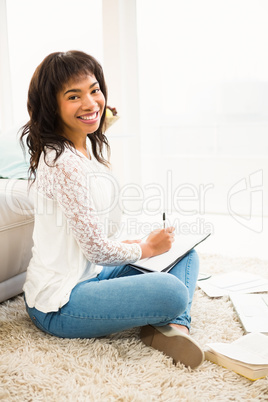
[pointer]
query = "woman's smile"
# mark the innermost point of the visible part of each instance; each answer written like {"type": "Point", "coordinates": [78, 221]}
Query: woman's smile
{"type": "Point", "coordinates": [89, 118]}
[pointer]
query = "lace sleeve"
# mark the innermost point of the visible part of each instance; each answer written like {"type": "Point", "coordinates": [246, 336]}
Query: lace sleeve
{"type": "Point", "coordinates": [72, 190]}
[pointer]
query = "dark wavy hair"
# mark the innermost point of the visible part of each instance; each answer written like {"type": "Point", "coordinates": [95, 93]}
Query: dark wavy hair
{"type": "Point", "coordinates": [42, 130]}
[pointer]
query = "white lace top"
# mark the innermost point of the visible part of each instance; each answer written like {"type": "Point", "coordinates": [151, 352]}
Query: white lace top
{"type": "Point", "coordinates": [73, 206]}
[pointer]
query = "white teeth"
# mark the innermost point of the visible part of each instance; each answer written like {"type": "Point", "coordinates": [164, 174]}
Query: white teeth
{"type": "Point", "coordinates": [92, 117]}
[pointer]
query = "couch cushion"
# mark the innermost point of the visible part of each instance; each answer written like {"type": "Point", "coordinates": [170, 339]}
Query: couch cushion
{"type": "Point", "coordinates": [16, 203]}
{"type": "Point", "coordinates": [16, 227]}
{"type": "Point", "coordinates": [13, 163]}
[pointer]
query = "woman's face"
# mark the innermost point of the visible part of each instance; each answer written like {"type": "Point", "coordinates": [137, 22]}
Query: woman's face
{"type": "Point", "coordinates": [80, 107]}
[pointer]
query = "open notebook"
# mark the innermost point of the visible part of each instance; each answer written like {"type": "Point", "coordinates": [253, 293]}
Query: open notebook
{"type": "Point", "coordinates": [252, 310]}
{"type": "Point", "coordinates": [164, 262]}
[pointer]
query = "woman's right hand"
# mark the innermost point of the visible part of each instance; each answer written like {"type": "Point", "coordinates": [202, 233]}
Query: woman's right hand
{"type": "Point", "coordinates": [158, 242]}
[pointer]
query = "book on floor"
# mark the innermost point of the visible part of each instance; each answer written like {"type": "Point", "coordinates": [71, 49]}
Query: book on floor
{"type": "Point", "coordinates": [164, 262]}
{"type": "Point", "coordinates": [247, 356]}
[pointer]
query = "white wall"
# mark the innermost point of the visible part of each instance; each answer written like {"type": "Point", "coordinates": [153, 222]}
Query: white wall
{"type": "Point", "coordinates": [204, 98]}
{"type": "Point", "coordinates": [5, 79]}
{"type": "Point", "coordinates": [36, 28]}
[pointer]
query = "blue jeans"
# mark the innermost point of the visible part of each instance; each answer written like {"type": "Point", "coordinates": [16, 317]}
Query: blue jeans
{"type": "Point", "coordinates": [120, 298]}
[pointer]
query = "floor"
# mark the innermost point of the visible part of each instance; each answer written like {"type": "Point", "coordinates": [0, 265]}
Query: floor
{"type": "Point", "coordinates": [235, 237]}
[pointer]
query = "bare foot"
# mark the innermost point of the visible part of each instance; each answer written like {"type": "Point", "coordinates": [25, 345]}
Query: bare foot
{"type": "Point", "coordinates": [181, 328]}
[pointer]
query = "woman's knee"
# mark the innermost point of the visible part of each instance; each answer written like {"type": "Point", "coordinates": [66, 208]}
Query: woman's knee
{"type": "Point", "coordinates": [194, 259]}
{"type": "Point", "coordinates": [173, 293]}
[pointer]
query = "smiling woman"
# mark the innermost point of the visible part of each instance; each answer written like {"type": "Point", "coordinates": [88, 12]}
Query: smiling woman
{"type": "Point", "coordinates": [79, 282]}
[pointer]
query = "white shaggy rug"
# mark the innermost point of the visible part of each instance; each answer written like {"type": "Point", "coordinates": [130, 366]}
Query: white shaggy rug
{"type": "Point", "coordinates": [37, 367]}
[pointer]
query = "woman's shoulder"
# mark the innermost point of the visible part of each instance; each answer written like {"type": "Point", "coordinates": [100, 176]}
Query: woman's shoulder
{"type": "Point", "coordinates": [53, 168]}
{"type": "Point", "coordinates": [53, 157]}
{"type": "Point", "coordinates": [70, 160]}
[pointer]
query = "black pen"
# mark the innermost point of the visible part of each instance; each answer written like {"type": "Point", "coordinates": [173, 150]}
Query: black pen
{"type": "Point", "coordinates": [164, 220]}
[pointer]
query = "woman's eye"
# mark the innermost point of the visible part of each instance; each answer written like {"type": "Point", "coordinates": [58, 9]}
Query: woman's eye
{"type": "Point", "coordinates": [74, 97]}
{"type": "Point", "coordinates": [96, 90]}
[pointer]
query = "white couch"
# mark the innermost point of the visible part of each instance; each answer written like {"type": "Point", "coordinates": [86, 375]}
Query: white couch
{"type": "Point", "coordinates": [16, 227]}
{"type": "Point", "coordinates": [16, 217]}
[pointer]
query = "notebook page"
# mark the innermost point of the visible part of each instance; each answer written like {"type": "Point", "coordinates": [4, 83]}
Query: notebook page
{"type": "Point", "coordinates": [181, 245]}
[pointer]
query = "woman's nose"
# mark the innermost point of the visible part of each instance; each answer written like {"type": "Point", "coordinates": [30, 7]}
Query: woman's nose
{"type": "Point", "coordinates": [89, 102]}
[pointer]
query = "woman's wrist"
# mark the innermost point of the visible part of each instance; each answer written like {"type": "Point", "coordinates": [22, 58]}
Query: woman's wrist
{"type": "Point", "coordinates": [146, 250]}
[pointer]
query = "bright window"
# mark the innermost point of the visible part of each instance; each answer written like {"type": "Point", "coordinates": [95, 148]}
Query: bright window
{"type": "Point", "coordinates": [37, 28]}
{"type": "Point", "coordinates": [203, 79]}
{"type": "Point", "coordinates": [204, 74]}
